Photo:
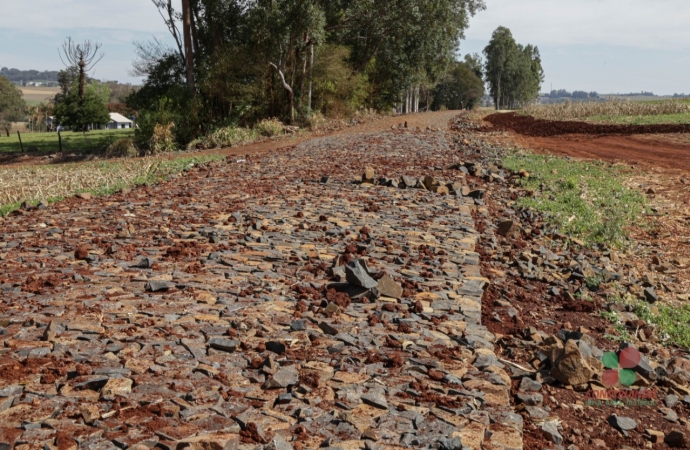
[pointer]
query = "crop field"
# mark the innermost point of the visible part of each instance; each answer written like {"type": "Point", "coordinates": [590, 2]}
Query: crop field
{"type": "Point", "coordinates": [33, 95]}
{"type": "Point", "coordinates": [93, 141]}
{"type": "Point", "coordinates": [616, 111]}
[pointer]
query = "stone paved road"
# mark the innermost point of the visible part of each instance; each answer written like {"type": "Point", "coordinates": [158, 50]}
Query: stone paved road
{"type": "Point", "coordinates": [268, 302]}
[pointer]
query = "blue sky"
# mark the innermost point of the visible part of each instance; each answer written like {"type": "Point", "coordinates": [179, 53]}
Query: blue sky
{"type": "Point", "coordinates": [602, 45]}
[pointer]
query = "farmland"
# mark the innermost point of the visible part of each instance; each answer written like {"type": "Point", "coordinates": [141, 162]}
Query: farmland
{"type": "Point", "coordinates": [616, 112]}
{"type": "Point", "coordinates": [33, 95]}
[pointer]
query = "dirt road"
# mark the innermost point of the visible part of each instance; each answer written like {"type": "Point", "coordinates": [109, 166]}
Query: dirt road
{"type": "Point", "coordinates": [434, 119]}
{"type": "Point", "coordinates": [632, 149]}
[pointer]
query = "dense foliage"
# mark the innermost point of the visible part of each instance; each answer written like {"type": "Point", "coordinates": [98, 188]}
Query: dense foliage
{"type": "Point", "coordinates": [460, 88]}
{"type": "Point", "coordinates": [513, 71]}
{"type": "Point", "coordinates": [236, 62]}
{"type": "Point", "coordinates": [12, 105]}
{"type": "Point", "coordinates": [80, 113]}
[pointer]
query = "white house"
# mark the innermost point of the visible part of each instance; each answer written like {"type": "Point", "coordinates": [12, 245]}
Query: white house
{"type": "Point", "coordinates": [118, 121]}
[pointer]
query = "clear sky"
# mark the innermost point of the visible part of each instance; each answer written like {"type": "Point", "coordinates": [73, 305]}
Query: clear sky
{"type": "Point", "coordinates": [602, 45]}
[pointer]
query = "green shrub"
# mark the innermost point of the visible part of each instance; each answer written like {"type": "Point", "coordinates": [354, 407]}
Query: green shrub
{"type": "Point", "coordinates": [269, 127]}
{"type": "Point", "coordinates": [122, 148]}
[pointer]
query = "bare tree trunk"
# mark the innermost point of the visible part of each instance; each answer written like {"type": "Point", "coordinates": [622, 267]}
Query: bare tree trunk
{"type": "Point", "coordinates": [311, 71]}
{"type": "Point", "coordinates": [189, 54]}
{"type": "Point", "coordinates": [304, 75]}
{"type": "Point", "coordinates": [288, 88]}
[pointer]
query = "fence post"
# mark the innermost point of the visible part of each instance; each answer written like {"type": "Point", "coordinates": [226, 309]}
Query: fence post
{"type": "Point", "coordinates": [20, 141]}
{"type": "Point", "coordinates": [60, 141]}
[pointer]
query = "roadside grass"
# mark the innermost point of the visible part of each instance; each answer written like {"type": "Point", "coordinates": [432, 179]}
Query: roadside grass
{"type": "Point", "coordinates": [671, 323]}
{"type": "Point", "coordinates": [584, 199]}
{"type": "Point", "coordinates": [92, 141]}
{"type": "Point", "coordinates": [53, 183]}
{"type": "Point", "coordinates": [643, 120]}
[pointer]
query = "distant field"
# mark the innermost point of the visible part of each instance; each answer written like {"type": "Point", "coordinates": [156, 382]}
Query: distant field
{"type": "Point", "coordinates": [34, 95]}
{"type": "Point", "coordinates": [95, 141]}
{"type": "Point", "coordinates": [643, 120]}
{"type": "Point", "coordinates": [616, 111]}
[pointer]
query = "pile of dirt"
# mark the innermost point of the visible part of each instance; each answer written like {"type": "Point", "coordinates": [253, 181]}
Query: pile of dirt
{"type": "Point", "coordinates": [529, 126]}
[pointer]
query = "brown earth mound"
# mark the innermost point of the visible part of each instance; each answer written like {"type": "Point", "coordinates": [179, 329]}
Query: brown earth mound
{"type": "Point", "coordinates": [529, 126]}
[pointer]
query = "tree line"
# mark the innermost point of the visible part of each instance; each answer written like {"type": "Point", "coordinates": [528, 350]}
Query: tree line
{"type": "Point", "coordinates": [234, 63]}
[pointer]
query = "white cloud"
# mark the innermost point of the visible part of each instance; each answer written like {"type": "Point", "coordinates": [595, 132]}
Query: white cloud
{"type": "Point", "coordinates": [644, 24]}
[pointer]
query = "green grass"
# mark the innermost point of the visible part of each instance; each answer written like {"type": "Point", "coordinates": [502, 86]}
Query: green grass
{"type": "Point", "coordinates": [672, 321]}
{"type": "Point", "coordinates": [643, 120]}
{"type": "Point", "coordinates": [586, 200]}
{"type": "Point", "coordinates": [93, 141]}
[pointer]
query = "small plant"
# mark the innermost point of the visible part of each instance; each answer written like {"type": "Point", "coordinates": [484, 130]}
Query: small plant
{"type": "Point", "coordinates": [122, 148]}
{"type": "Point", "coordinates": [269, 127]}
{"type": "Point", "coordinates": [162, 140]}
{"type": "Point", "coordinates": [623, 333]}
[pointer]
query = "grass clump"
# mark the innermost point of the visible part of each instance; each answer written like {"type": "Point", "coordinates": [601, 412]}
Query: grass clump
{"type": "Point", "coordinates": [163, 139]}
{"type": "Point", "coordinates": [586, 199]}
{"type": "Point", "coordinates": [269, 128]}
{"type": "Point", "coordinates": [122, 148]}
{"type": "Point", "coordinates": [225, 137]}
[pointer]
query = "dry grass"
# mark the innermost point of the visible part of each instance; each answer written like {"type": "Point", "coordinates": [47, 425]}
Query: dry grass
{"type": "Point", "coordinates": [613, 108]}
{"type": "Point", "coordinates": [42, 183]}
{"type": "Point", "coordinates": [46, 183]}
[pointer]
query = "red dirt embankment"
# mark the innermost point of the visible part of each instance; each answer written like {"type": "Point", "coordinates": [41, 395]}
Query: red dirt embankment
{"type": "Point", "coordinates": [658, 145]}
{"type": "Point", "coordinates": [529, 126]}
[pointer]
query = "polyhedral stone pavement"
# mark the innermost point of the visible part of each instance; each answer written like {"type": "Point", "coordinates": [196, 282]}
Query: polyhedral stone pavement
{"type": "Point", "coordinates": [212, 310]}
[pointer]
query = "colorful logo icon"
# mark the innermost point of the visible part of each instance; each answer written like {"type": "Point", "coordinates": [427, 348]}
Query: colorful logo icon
{"type": "Point", "coordinates": [619, 367]}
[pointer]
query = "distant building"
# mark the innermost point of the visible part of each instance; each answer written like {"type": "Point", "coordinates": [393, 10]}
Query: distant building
{"type": "Point", "coordinates": [118, 121]}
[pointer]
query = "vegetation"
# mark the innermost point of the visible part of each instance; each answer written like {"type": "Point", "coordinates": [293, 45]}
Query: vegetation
{"type": "Point", "coordinates": [672, 322]}
{"type": "Point", "coordinates": [235, 63]}
{"type": "Point", "coordinates": [52, 183]}
{"type": "Point", "coordinates": [513, 72]}
{"type": "Point", "coordinates": [122, 148]}
{"type": "Point", "coordinates": [80, 143]}
{"type": "Point", "coordinates": [12, 105]}
{"type": "Point", "coordinates": [618, 111]}
{"type": "Point", "coordinates": [24, 76]}
{"type": "Point", "coordinates": [587, 200]}
{"type": "Point", "coordinates": [460, 88]}
{"type": "Point", "coordinates": [82, 103]}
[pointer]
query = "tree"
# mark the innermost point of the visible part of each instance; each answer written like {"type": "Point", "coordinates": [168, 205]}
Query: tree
{"type": "Point", "coordinates": [83, 56]}
{"type": "Point", "coordinates": [262, 58]}
{"type": "Point", "coordinates": [12, 105]}
{"type": "Point", "coordinates": [459, 88]}
{"type": "Point", "coordinates": [475, 64]}
{"type": "Point", "coordinates": [79, 114]}
{"type": "Point", "coordinates": [513, 72]}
